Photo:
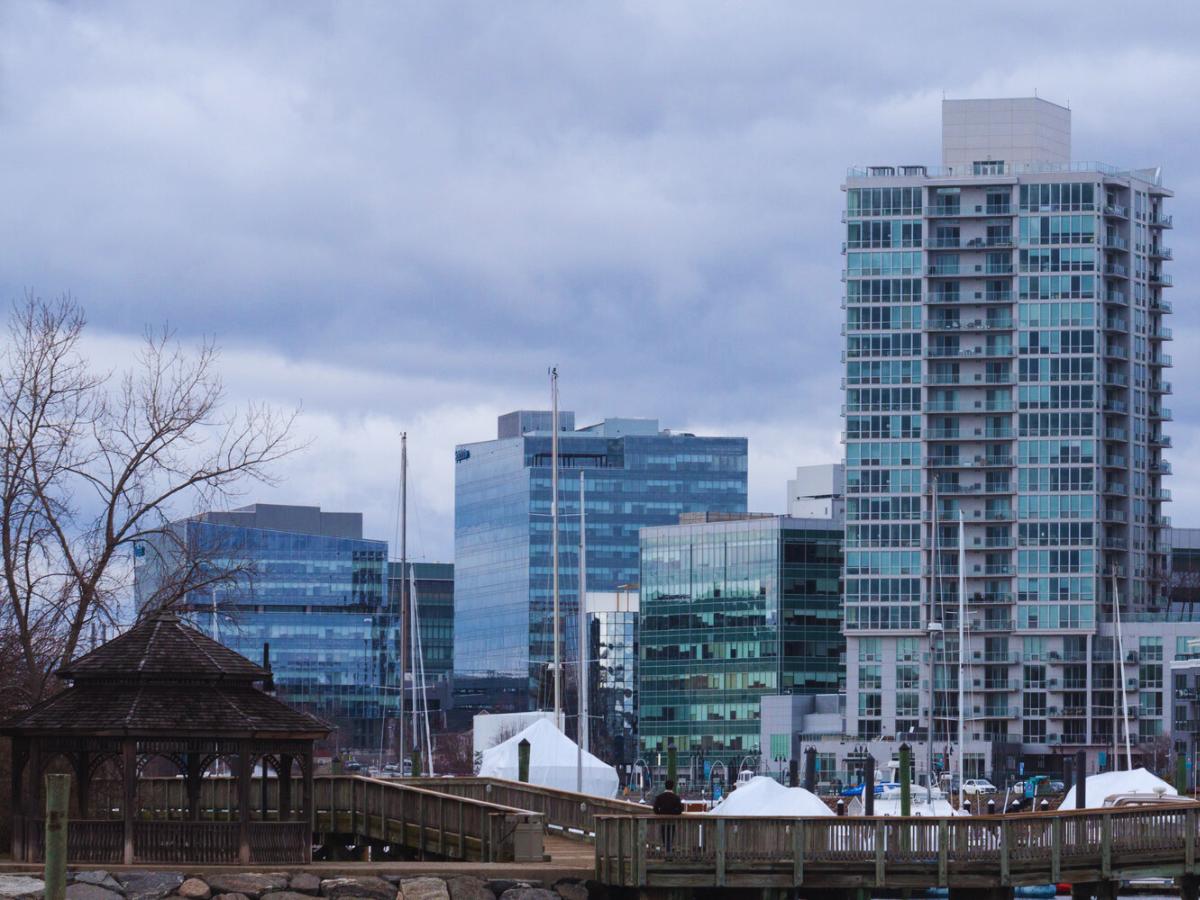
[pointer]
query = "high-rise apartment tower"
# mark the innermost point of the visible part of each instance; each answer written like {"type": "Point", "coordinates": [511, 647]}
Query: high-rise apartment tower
{"type": "Point", "coordinates": [1004, 363]}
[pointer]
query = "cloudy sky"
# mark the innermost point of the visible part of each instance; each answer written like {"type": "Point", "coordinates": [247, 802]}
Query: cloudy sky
{"type": "Point", "coordinates": [398, 214]}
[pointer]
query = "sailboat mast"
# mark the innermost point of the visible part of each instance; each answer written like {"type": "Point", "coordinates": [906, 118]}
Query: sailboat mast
{"type": "Point", "coordinates": [558, 723]}
{"type": "Point", "coordinates": [933, 600]}
{"type": "Point", "coordinates": [962, 649]}
{"type": "Point", "coordinates": [1119, 651]}
{"type": "Point", "coordinates": [403, 586]}
{"type": "Point", "coordinates": [581, 723]}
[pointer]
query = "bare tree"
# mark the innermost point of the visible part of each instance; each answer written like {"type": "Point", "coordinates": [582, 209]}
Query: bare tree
{"type": "Point", "coordinates": [96, 464]}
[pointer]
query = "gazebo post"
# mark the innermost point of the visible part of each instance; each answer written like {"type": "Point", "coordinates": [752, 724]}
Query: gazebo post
{"type": "Point", "coordinates": [193, 783]}
{"type": "Point", "coordinates": [129, 780]}
{"type": "Point", "coordinates": [245, 769]}
{"type": "Point", "coordinates": [310, 806]}
{"type": "Point", "coordinates": [83, 781]}
{"type": "Point", "coordinates": [285, 787]}
{"type": "Point", "coordinates": [20, 762]}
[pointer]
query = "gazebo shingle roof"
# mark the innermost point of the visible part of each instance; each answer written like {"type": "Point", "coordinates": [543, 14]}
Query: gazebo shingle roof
{"type": "Point", "coordinates": [162, 645]}
{"type": "Point", "coordinates": [163, 677]}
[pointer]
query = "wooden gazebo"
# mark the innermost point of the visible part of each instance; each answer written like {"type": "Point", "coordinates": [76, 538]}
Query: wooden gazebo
{"type": "Point", "coordinates": [161, 730]}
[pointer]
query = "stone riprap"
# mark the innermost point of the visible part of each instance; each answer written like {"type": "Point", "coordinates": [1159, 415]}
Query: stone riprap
{"type": "Point", "coordinates": [97, 884]}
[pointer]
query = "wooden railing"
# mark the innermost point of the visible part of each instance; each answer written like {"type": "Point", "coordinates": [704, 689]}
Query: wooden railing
{"type": "Point", "coordinates": [563, 812]}
{"type": "Point", "coordinates": [710, 851]}
{"type": "Point", "coordinates": [448, 825]}
{"type": "Point", "coordinates": [88, 840]}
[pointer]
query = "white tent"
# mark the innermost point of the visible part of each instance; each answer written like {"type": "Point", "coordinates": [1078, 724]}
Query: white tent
{"type": "Point", "coordinates": [762, 796]}
{"type": "Point", "coordinates": [1104, 785]}
{"type": "Point", "coordinates": [552, 762]}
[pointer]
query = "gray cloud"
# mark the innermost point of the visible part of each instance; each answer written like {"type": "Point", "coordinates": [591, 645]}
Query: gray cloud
{"type": "Point", "coordinates": [400, 214]}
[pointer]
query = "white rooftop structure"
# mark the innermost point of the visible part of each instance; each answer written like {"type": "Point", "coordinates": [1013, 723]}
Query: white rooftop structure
{"type": "Point", "coordinates": [1016, 130]}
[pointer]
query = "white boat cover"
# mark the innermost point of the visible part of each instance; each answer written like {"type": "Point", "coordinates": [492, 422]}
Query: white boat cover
{"type": "Point", "coordinates": [763, 796]}
{"type": "Point", "coordinates": [552, 762]}
{"type": "Point", "coordinates": [1133, 781]}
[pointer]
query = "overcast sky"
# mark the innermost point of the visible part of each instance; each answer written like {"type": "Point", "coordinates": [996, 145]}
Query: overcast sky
{"type": "Point", "coordinates": [399, 214]}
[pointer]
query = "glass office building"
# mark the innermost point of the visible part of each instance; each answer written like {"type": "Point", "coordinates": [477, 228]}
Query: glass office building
{"type": "Point", "coordinates": [1005, 363]}
{"type": "Point", "coordinates": [613, 662]}
{"type": "Point", "coordinates": [435, 613]}
{"type": "Point", "coordinates": [635, 475]}
{"type": "Point", "coordinates": [732, 610]}
{"type": "Point", "coordinates": [316, 591]}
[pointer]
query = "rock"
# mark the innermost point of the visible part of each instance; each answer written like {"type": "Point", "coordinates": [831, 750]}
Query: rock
{"type": "Point", "coordinates": [150, 885]}
{"type": "Point", "coordinates": [499, 885]}
{"type": "Point", "coordinates": [83, 891]}
{"type": "Point", "coordinates": [194, 889]}
{"type": "Point", "coordinates": [529, 893]}
{"type": "Point", "coordinates": [423, 889]}
{"type": "Point", "coordinates": [19, 886]}
{"type": "Point", "coordinates": [366, 886]}
{"type": "Point", "coordinates": [571, 890]}
{"type": "Point", "coordinates": [284, 895]}
{"type": "Point", "coordinates": [231, 897]}
{"type": "Point", "coordinates": [251, 884]}
{"type": "Point", "coordinates": [305, 883]}
{"type": "Point", "coordinates": [468, 887]}
{"type": "Point", "coordinates": [97, 877]}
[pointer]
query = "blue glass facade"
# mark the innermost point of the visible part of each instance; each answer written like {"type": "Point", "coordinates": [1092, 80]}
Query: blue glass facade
{"type": "Point", "coordinates": [635, 476]}
{"type": "Point", "coordinates": [319, 600]}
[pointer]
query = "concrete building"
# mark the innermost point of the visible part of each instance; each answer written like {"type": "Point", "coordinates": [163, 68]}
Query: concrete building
{"type": "Point", "coordinates": [1005, 364]}
{"type": "Point", "coordinates": [817, 492]}
{"type": "Point", "coordinates": [636, 475]}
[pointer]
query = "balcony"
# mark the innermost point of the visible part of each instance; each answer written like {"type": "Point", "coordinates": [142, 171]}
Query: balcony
{"type": "Point", "coordinates": [1118, 297]}
{"type": "Point", "coordinates": [1113, 324]}
{"type": "Point", "coordinates": [1115, 461]}
{"type": "Point", "coordinates": [945, 462]}
{"type": "Point", "coordinates": [1160, 440]}
{"type": "Point", "coordinates": [1161, 253]}
{"type": "Point", "coordinates": [943, 297]}
{"type": "Point", "coordinates": [1161, 306]}
{"type": "Point", "coordinates": [1114, 242]}
{"type": "Point", "coordinates": [943, 434]}
{"type": "Point", "coordinates": [1116, 352]}
{"type": "Point", "coordinates": [1161, 414]}
{"type": "Point", "coordinates": [943, 270]}
{"type": "Point", "coordinates": [1002, 462]}
{"type": "Point", "coordinates": [944, 211]}
{"type": "Point", "coordinates": [1116, 270]}
{"type": "Point", "coordinates": [998, 515]}
{"type": "Point", "coordinates": [1114, 543]}
{"type": "Point", "coordinates": [943, 243]}
{"type": "Point", "coordinates": [993, 434]}
{"type": "Point", "coordinates": [1163, 495]}
{"type": "Point", "coordinates": [989, 684]}
{"type": "Point", "coordinates": [1117, 489]}
{"type": "Point", "coordinates": [1119, 407]}
{"type": "Point", "coordinates": [1160, 359]}
{"type": "Point", "coordinates": [997, 297]}
{"type": "Point", "coordinates": [1116, 379]}
{"type": "Point", "coordinates": [1114, 516]}
{"type": "Point", "coordinates": [1160, 387]}
{"type": "Point", "coordinates": [1158, 220]}
{"type": "Point", "coordinates": [1161, 280]}
{"type": "Point", "coordinates": [1161, 334]}
{"type": "Point", "coordinates": [1160, 468]}
{"type": "Point", "coordinates": [1119, 212]}
{"type": "Point", "coordinates": [998, 269]}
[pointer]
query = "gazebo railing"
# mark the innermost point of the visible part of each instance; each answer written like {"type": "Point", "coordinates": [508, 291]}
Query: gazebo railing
{"type": "Point", "coordinates": [88, 841]}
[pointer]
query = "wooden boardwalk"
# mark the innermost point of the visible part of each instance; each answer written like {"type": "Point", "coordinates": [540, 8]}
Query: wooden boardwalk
{"type": "Point", "coordinates": [983, 852]}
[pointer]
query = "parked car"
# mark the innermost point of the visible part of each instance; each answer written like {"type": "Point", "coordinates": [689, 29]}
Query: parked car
{"type": "Point", "coordinates": [978, 786]}
{"type": "Point", "coordinates": [1057, 787]}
